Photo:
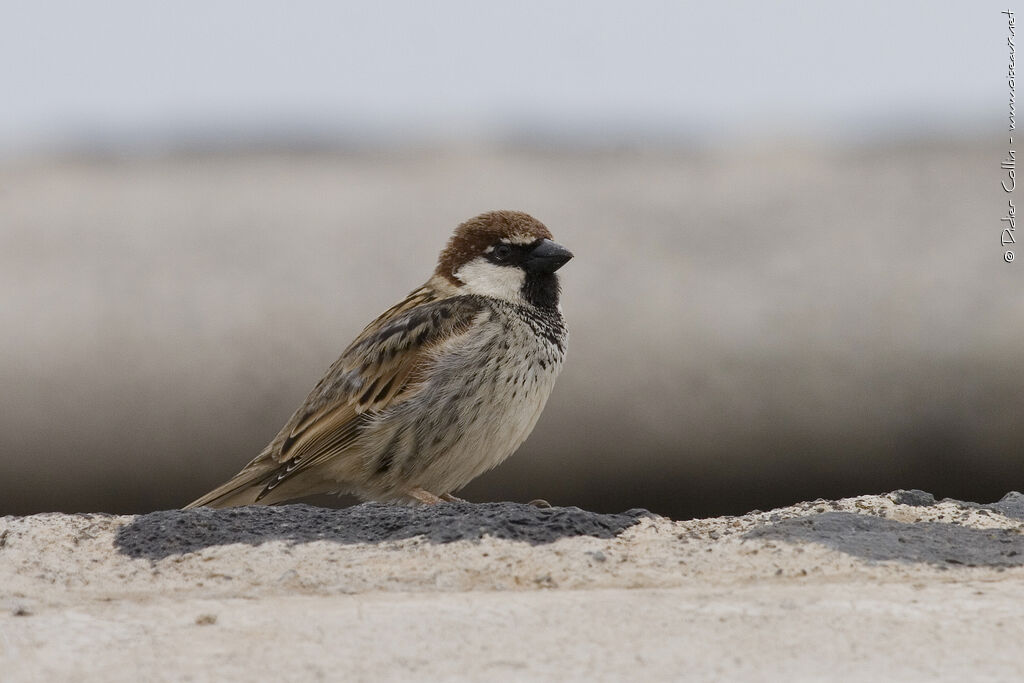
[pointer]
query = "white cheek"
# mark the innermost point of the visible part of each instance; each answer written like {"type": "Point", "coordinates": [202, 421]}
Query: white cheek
{"type": "Point", "coordinates": [487, 279]}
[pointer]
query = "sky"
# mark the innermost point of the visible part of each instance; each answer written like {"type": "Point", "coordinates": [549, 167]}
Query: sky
{"type": "Point", "coordinates": [124, 72]}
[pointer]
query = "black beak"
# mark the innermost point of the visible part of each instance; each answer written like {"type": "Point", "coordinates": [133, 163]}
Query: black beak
{"type": "Point", "coordinates": [546, 257]}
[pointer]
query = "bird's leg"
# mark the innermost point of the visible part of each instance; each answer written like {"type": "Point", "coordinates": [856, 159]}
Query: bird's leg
{"type": "Point", "coordinates": [449, 498]}
{"type": "Point", "coordinates": [425, 497]}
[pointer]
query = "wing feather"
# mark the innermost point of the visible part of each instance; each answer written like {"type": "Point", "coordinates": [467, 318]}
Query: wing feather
{"type": "Point", "coordinates": [378, 369]}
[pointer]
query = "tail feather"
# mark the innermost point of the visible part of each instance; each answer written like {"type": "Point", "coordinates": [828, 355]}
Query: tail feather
{"type": "Point", "coordinates": [249, 487]}
{"type": "Point", "coordinates": [242, 489]}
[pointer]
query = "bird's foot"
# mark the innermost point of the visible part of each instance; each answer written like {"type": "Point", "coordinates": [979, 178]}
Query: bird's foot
{"type": "Point", "coordinates": [449, 498]}
{"type": "Point", "coordinates": [425, 497]}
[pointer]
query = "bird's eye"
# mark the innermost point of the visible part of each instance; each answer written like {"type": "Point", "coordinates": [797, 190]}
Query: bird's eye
{"type": "Point", "coordinates": [502, 252]}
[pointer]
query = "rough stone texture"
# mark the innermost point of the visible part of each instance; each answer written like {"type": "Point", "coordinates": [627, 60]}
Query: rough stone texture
{"type": "Point", "coordinates": [897, 586]}
{"type": "Point", "coordinates": [875, 538]}
{"type": "Point", "coordinates": [913, 497]}
{"type": "Point", "coordinates": [1011, 505]}
{"type": "Point", "coordinates": [170, 532]}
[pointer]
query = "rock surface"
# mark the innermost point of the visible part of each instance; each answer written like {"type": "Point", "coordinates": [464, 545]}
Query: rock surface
{"type": "Point", "coordinates": [898, 585]}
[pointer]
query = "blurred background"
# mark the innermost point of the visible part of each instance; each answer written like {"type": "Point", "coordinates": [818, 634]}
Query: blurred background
{"type": "Point", "coordinates": [788, 282]}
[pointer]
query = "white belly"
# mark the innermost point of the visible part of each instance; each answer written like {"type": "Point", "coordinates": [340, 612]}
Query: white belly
{"type": "Point", "coordinates": [479, 400]}
{"type": "Point", "coordinates": [506, 399]}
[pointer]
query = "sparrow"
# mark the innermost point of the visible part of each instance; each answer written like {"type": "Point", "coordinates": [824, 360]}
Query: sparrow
{"type": "Point", "coordinates": [440, 388]}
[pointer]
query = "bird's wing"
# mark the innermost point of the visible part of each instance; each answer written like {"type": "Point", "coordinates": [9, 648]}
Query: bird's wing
{"type": "Point", "coordinates": [374, 372]}
{"type": "Point", "coordinates": [379, 369]}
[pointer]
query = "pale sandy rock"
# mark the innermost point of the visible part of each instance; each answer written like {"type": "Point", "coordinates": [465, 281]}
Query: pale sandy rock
{"type": "Point", "coordinates": [894, 585]}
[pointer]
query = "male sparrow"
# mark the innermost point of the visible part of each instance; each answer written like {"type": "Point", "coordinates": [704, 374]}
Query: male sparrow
{"type": "Point", "coordinates": [442, 387]}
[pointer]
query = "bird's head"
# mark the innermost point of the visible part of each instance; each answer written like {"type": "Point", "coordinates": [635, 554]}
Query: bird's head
{"type": "Point", "coordinates": [505, 255]}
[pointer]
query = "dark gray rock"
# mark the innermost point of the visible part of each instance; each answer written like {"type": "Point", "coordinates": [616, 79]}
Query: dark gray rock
{"type": "Point", "coordinates": [171, 532]}
{"type": "Point", "coordinates": [877, 538]}
{"type": "Point", "coordinates": [915, 497]}
{"type": "Point", "coordinates": [1011, 505]}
